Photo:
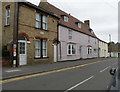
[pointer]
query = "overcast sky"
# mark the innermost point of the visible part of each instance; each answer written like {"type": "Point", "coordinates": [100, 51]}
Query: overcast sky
{"type": "Point", "coordinates": [103, 14]}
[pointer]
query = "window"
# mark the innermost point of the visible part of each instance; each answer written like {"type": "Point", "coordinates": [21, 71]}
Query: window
{"type": "Point", "coordinates": [37, 48]}
{"type": "Point", "coordinates": [88, 39]}
{"type": "Point", "coordinates": [38, 20]}
{"type": "Point", "coordinates": [89, 50]}
{"type": "Point", "coordinates": [79, 25]}
{"type": "Point", "coordinates": [70, 34]}
{"type": "Point", "coordinates": [44, 24]}
{"type": "Point", "coordinates": [8, 16]}
{"type": "Point", "coordinates": [71, 50]}
{"type": "Point", "coordinates": [95, 51]}
{"type": "Point", "coordinates": [95, 41]}
{"type": "Point", "coordinates": [41, 21]}
{"type": "Point", "coordinates": [65, 18]}
{"type": "Point", "coordinates": [44, 49]}
{"type": "Point", "coordinates": [40, 48]}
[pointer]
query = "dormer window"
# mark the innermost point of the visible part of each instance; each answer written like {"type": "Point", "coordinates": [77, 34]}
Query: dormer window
{"type": "Point", "coordinates": [78, 24]}
{"type": "Point", "coordinates": [65, 18]}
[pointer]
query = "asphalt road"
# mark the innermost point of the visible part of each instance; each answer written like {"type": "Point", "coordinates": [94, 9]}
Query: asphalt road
{"type": "Point", "coordinates": [94, 76]}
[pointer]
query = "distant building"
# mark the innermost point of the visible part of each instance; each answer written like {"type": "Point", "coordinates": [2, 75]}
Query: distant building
{"type": "Point", "coordinates": [103, 48]}
{"type": "Point", "coordinates": [114, 49]}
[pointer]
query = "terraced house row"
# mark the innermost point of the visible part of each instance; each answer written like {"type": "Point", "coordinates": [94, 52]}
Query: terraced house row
{"type": "Point", "coordinates": [46, 34]}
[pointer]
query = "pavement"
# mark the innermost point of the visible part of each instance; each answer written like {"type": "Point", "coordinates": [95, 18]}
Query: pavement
{"type": "Point", "coordinates": [91, 76]}
{"type": "Point", "coordinates": [11, 72]}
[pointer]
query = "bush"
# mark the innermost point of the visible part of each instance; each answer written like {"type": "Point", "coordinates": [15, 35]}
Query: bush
{"type": "Point", "coordinates": [5, 52]}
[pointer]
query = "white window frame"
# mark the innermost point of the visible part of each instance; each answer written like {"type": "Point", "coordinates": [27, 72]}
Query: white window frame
{"type": "Point", "coordinates": [38, 48]}
{"type": "Point", "coordinates": [38, 20]}
{"type": "Point", "coordinates": [44, 22]}
{"type": "Point", "coordinates": [79, 25]}
{"type": "Point", "coordinates": [7, 16]}
{"type": "Point", "coordinates": [89, 50]}
{"type": "Point", "coordinates": [65, 18]}
{"type": "Point", "coordinates": [44, 48]}
{"type": "Point", "coordinates": [69, 34]}
{"type": "Point", "coordinates": [71, 50]}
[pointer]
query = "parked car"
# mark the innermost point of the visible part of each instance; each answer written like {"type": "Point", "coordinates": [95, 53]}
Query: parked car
{"type": "Point", "coordinates": [115, 83]}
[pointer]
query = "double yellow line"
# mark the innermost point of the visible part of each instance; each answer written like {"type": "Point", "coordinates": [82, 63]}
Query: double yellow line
{"type": "Point", "coordinates": [45, 73]}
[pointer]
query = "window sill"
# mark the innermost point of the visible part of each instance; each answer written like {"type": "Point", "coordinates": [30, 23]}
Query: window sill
{"type": "Point", "coordinates": [6, 25]}
{"type": "Point", "coordinates": [71, 55]}
{"type": "Point", "coordinates": [41, 29]}
{"type": "Point", "coordinates": [41, 57]}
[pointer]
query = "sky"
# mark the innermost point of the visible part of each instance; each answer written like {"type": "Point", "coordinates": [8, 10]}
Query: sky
{"type": "Point", "coordinates": [103, 15]}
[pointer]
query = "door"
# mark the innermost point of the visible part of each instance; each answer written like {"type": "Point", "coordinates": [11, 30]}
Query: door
{"type": "Point", "coordinates": [22, 53]}
{"type": "Point", "coordinates": [55, 53]}
{"type": "Point", "coordinates": [80, 50]}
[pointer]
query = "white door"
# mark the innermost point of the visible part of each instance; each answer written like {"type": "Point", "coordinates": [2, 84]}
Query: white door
{"type": "Point", "coordinates": [22, 53]}
{"type": "Point", "coordinates": [55, 53]}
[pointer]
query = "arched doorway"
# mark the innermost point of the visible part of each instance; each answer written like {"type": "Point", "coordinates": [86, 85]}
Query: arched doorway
{"type": "Point", "coordinates": [22, 50]}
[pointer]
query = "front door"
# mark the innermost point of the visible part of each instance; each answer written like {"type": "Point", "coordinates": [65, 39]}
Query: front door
{"type": "Point", "coordinates": [22, 53]}
{"type": "Point", "coordinates": [80, 50]}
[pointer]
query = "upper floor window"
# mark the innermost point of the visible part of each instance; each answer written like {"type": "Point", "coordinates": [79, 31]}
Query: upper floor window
{"type": "Point", "coordinates": [41, 21]}
{"type": "Point", "coordinates": [95, 41]}
{"type": "Point", "coordinates": [88, 39]}
{"type": "Point", "coordinates": [70, 34]}
{"type": "Point", "coordinates": [79, 25]}
{"type": "Point", "coordinates": [44, 22]}
{"type": "Point", "coordinates": [7, 16]}
{"type": "Point", "coordinates": [38, 20]}
{"type": "Point", "coordinates": [65, 18]}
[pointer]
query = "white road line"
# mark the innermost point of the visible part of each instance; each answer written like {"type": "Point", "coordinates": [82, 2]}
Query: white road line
{"type": "Point", "coordinates": [79, 84]}
{"type": "Point", "coordinates": [105, 69]}
{"type": "Point", "coordinates": [13, 70]}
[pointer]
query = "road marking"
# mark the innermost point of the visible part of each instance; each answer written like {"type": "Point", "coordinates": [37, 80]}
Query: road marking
{"type": "Point", "coordinates": [45, 73]}
{"type": "Point", "coordinates": [79, 84]}
{"type": "Point", "coordinates": [105, 69]}
{"type": "Point", "coordinates": [12, 70]}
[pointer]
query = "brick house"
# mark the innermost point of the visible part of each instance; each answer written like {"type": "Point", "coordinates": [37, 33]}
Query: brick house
{"type": "Point", "coordinates": [29, 32]}
{"type": "Point", "coordinates": [77, 39]}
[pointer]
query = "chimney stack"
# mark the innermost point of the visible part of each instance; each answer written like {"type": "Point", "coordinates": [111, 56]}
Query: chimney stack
{"type": "Point", "coordinates": [43, 0]}
{"type": "Point", "coordinates": [87, 22]}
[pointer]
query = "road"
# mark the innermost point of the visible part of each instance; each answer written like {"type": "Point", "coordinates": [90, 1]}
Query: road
{"type": "Point", "coordinates": [91, 76]}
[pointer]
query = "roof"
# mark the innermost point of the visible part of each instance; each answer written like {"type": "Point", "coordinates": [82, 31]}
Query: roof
{"type": "Point", "coordinates": [71, 21]}
{"type": "Point", "coordinates": [102, 41]}
{"type": "Point", "coordinates": [38, 8]}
